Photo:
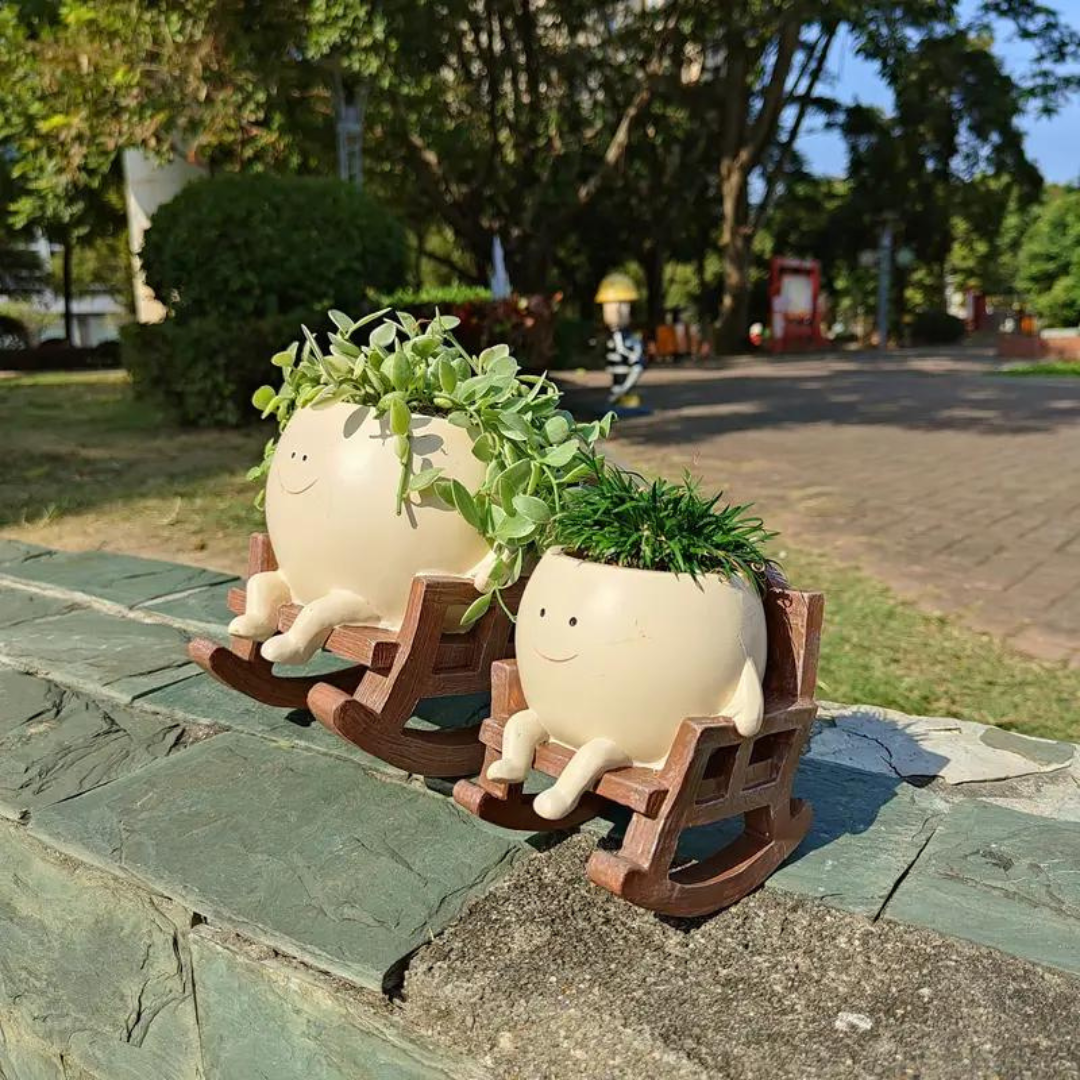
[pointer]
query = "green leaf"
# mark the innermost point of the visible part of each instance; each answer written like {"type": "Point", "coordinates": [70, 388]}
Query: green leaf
{"type": "Point", "coordinates": [383, 335]}
{"type": "Point", "coordinates": [341, 321]}
{"type": "Point", "coordinates": [399, 415]}
{"type": "Point", "coordinates": [504, 369]}
{"type": "Point", "coordinates": [466, 507]}
{"type": "Point", "coordinates": [254, 472]}
{"type": "Point", "coordinates": [515, 527]}
{"type": "Point", "coordinates": [444, 489]}
{"type": "Point", "coordinates": [513, 481]}
{"type": "Point", "coordinates": [560, 455]}
{"type": "Point", "coordinates": [533, 508]}
{"type": "Point", "coordinates": [262, 397]}
{"type": "Point", "coordinates": [459, 419]}
{"type": "Point", "coordinates": [514, 426]}
{"type": "Point", "coordinates": [425, 479]}
{"type": "Point", "coordinates": [400, 370]}
{"type": "Point", "coordinates": [447, 375]}
{"type": "Point", "coordinates": [402, 447]}
{"type": "Point", "coordinates": [286, 357]}
{"type": "Point", "coordinates": [557, 429]}
{"type": "Point", "coordinates": [485, 448]}
{"type": "Point", "coordinates": [491, 354]}
{"type": "Point", "coordinates": [476, 609]}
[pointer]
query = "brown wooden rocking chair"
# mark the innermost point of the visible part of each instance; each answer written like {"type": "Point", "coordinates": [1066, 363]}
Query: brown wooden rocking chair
{"type": "Point", "coordinates": [712, 773]}
{"type": "Point", "coordinates": [370, 702]}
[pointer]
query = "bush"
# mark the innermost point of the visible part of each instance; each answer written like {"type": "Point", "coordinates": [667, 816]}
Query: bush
{"type": "Point", "coordinates": [204, 371]}
{"type": "Point", "coordinates": [60, 356]}
{"type": "Point", "coordinates": [256, 246]}
{"type": "Point", "coordinates": [14, 334]}
{"type": "Point", "coordinates": [936, 327]}
{"type": "Point", "coordinates": [1049, 270]}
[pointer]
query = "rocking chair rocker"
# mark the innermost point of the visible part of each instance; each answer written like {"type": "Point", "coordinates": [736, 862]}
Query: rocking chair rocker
{"type": "Point", "coordinates": [370, 702]}
{"type": "Point", "coordinates": [711, 773]}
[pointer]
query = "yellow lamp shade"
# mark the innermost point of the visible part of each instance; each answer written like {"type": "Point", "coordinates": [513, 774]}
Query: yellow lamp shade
{"type": "Point", "coordinates": [616, 288]}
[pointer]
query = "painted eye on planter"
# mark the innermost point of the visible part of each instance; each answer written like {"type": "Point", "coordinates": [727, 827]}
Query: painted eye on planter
{"type": "Point", "coordinates": [573, 620]}
{"type": "Point", "coordinates": [293, 454]}
{"type": "Point", "coordinates": [543, 612]}
{"type": "Point", "coordinates": [304, 458]}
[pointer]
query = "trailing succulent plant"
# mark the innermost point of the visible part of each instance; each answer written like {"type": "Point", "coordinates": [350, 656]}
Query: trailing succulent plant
{"type": "Point", "coordinates": [622, 520]}
{"type": "Point", "coordinates": [534, 450]}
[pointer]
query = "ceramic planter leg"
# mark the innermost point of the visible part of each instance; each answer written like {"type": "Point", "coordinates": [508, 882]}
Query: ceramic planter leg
{"type": "Point", "coordinates": [242, 667]}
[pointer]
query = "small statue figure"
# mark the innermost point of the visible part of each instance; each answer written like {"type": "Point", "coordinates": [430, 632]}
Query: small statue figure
{"type": "Point", "coordinates": [624, 350]}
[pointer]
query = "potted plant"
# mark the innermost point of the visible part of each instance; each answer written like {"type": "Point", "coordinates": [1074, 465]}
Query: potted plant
{"type": "Point", "coordinates": [401, 454]}
{"type": "Point", "coordinates": [645, 610]}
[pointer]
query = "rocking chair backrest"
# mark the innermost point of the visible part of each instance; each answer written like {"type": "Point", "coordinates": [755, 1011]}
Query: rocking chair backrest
{"type": "Point", "coordinates": [794, 626]}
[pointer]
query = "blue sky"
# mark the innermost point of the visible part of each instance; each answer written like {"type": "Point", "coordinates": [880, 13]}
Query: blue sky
{"type": "Point", "coordinates": [1053, 144]}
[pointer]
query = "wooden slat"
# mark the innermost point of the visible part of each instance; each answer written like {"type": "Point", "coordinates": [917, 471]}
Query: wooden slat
{"type": "Point", "coordinates": [368, 645]}
{"type": "Point", "coordinates": [642, 790]}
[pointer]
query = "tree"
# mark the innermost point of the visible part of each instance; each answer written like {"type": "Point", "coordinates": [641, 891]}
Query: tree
{"type": "Point", "coordinates": [1050, 259]}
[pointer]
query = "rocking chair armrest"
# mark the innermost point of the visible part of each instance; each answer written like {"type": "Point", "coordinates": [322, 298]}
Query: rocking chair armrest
{"type": "Point", "coordinates": [507, 696]}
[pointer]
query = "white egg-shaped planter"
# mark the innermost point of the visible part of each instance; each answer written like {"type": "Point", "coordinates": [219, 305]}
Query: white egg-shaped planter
{"type": "Point", "coordinates": [607, 652]}
{"type": "Point", "coordinates": [330, 508]}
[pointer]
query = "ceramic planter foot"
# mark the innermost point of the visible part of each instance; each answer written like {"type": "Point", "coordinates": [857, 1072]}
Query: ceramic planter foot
{"type": "Point", "coordinates": [371, 702]}
{"type": "Point", "coordinates": [712, 773]}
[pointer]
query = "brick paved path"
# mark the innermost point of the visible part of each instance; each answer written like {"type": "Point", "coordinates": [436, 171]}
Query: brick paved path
{"type": "Point", "coordinates": [958, 488]}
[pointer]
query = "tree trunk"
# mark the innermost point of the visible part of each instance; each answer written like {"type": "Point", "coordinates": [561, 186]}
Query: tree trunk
{"type": "Point", "coordinates": [69, 315]}
{"type": "Point", "coordinates": [653, 259]}
{"type": "Point", "coordinates": [735, 240]}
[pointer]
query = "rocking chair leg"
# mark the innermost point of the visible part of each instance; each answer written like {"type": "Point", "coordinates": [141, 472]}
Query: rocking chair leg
{"type": "Point", "coordinates": [243, 668]}
{"type": "Point", "coordinates": [716, 882]}
{"type": "Point", "coordinates": [453, 752]}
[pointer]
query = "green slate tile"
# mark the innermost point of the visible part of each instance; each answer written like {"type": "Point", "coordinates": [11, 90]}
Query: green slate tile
{"type": "Point", "coordinates": [19, 606]}
{"type": "Point", "coordinates": [301, 850]}
{"type": "Point", "coordinates": [261, 1016]}
{"type": "Point", "coordinates": [999, 878]}
{"type": "Point", "coordinates": [101, 654]}
{"type": "Point", "coordinates": [16, 551]}
{"type": "Point", "coordinates": [93, 968]}
{"type": "Point", "coordinates": [121, 579]}
{"type": "Point", "coordinates": [208, 701]}
{"type": "Point", "coordinates": [55, 743]}
{"type": "Point", "coordinates": [204, 607]}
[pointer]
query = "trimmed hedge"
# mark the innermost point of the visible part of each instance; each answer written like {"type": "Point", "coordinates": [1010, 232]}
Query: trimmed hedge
{"type": "Point", "coordinates": [253, 246]}
{"type": "Point", "coordinates": [204, 371]}
{"type": "Point", "coordinates": [935, 327]}
{"type": "Point", "coordinates": [60, 356]}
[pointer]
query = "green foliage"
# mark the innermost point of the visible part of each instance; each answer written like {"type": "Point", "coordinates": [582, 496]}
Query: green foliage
{"type": "Point", "coordinates": [252, 246]}
{"type": "Point", "coordinates": [533, 449]}
{"type": "Point", "coordinates": [621, 520]}
{"type": "Point", "coordinates": [442, 297]}
{"type": "Point", "coordinates": [1050, 260]}
{"type": "Point", "coordinates": [203, 371]}
{"type": "Point", "coordinates": [1069, 369]}
{"type": "Point", "coordinates": [936, 327]}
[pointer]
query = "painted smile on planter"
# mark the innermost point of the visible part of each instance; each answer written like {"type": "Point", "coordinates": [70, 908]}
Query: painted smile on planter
{"type": "Point", "coordinates": [556, 659]}
{"type": "Point", "coordinates": [300, 490]}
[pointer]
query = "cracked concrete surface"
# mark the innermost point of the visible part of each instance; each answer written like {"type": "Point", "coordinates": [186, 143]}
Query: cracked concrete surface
{"type": "Point", "coordinates": [547, 976]}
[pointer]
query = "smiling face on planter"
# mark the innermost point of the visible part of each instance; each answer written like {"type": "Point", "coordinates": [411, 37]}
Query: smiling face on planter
{"type": "Point", "coordinates": [624, 654]}
{"type": "Point", "coordinates": [330, 507]}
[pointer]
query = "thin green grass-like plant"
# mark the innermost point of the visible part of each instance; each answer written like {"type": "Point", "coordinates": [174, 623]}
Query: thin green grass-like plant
{"type": "Point", "coordinates": [622, 520]}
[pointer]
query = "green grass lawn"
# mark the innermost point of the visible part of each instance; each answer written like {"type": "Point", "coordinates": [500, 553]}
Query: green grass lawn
{"type": "Point", "coordinates": [87, 466]}
{"type": "Point", "coordinates": [1070, 369]}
